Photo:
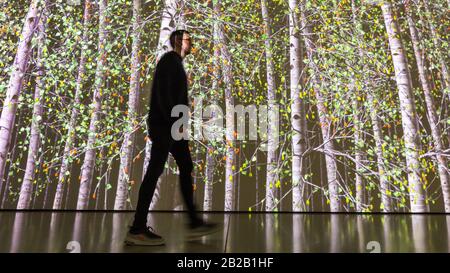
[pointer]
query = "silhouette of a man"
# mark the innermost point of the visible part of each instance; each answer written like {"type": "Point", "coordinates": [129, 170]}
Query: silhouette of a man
{"type": "Point", "coordinates": [170, 88]}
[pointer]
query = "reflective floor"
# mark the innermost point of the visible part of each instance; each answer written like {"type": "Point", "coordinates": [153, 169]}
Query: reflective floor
{"type": "Point", "coordinates": [242, 233]}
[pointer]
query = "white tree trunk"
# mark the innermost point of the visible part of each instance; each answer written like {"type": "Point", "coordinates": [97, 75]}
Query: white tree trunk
{"type": "Point", "coordinates": [408, 110]}
{"type": "Point", "coordinates": [331, 165]}
{"type": "Point", "coordinates": [209, 169]}
{"type": "Point", "coordinates": [298, 118]}
{"type": "Point", "coordinates": [229, 116]}
{"type": "Point", "coordinates": [167, 26]}
{"type": "Point", "coordinates": [68, 146]}
{"type": "Point", "coordinates": [376, 127]}
{"type": "Point", "coordinates": [358, 139]}
{"type": "Point", "coordinates": [432, 116]}
{"type": "Point", "coordinates": [126, 153]}
{"type": "Point", "coordinates": [358, 135]}
{"type": "Point", "coordinates": [87, 169]}
{"type": "Point", "coordinates": [378, 136]}
{"type": "Point", "coordinates": [15, 85]}
{"type": "Point", "coordinates": [26, 189]}
{"type": "Point", "coordinates": [271, 175]}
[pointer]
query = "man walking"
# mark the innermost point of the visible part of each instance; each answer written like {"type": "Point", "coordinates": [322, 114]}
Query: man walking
{"type": "Point", "coordinates": [169, 89]}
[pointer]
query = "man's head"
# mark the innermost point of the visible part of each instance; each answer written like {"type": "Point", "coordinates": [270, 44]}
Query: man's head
{"type": "Point", "coordinates": [180, 40]}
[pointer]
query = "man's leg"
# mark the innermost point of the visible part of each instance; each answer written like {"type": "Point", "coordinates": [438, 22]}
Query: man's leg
{"type": "Point", "coordinates": [182, 155]}
{"type": "Point", "coordinates": [180, 151]}
{"type": "Point", "coordinates": [159, 153]}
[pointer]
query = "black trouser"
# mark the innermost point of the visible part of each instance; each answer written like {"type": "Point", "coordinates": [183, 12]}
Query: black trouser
{"type": "Point", "coordinates": [163, 143]}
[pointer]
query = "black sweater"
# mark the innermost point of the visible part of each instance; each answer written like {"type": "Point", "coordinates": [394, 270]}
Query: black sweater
{"type": "Point", "coordinates": [169, 88]}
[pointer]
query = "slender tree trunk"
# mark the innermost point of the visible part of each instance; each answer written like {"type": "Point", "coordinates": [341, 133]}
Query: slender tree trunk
{"type": "Point", "coordinates": [98, 188]}
{"type": "Point", "coordinates": [105, 201]}
{"type": "Point", "coordinates": [194, 178]}
{"type": "Point", "coordinates": [408, 110]}
{"type": "Point", "coordinates": [358, 135]}
{"type": "Point", "coordinates": [68, 152]}
{"type": "Point", "coordinates": [167, 26]}
{"type": "Point", "coordinates": [39, 176]}
{"type": "Point", "coordinates": [133, 101]}
{"type": "Point", "coordinates": [359, 143]}
{"type": "Point", "coordinates": [271, 176]}
{"type": "Point", "coordinates": [433, 118]}
{"type": "Point", "coordinates": [26, 189]}
{"type": "Point", "coordinates": [15, 85]}
{"type": "Point", "coordinates": [209, 169]}
{"type": "Point", "coordinates": [376, 127]}
{"type": "Point", "coordinates": [87, 170]}
{"type": "Point", "coordinates": [310, 197]}
{"type": "Point", "coordinates": [238, 178]}
{"type": "Point", "coordinates": [229, 116]}
{"type": "Point", "coordinates": [298, 116]}
{"type": "Point", "coordinates": [50, 174]}
{"type": "Point", "coordinates": [12, 156]}
{"type": "Point", "coordinates": [210, 164]}
{"type": "Point", "coordinates": [378, 136]}
{"type": "Point", "coordinates": [331, 165]}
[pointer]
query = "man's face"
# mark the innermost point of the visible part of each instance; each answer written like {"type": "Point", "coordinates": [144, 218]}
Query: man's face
{"type": "Point", "coordinates": [186, 45]}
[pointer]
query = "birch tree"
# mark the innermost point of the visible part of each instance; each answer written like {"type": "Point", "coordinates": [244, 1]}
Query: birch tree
{"type": "Point", "coordinates": [87, 169]}
{"type": "Point", "coordinates": [298, 120]}
{"type": "Point", "coordinates": [407, 108]}
{"type": "Point", "coordinates": [227, 74]}
{"type": "Point", "coordinates": [375, 121]}
{"type": "Point", "coordinates": [70, 136]}
{"type": "Point", "coordinates": [15, 83]}
{"type": "Point", "coordinates": [133, 104]}
{"type": "Point", "coordinates": [271, 175]}
{"type": "Point", "coordinates": [358, 134]}
{"type": "Point", "coordinates": [433, 119]}
{"type": "Point", "coordinates": [328, 145]}
{"type": "Point", "coordinates": [26, 190]}
{"type": "Point", "coordinates": [209, 169]}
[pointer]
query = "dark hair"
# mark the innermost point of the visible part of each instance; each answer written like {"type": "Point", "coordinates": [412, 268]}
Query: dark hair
{"type": "Point", "coordinates": [177, 35]}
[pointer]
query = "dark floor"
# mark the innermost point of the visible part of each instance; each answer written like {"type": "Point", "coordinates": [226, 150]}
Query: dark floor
{"type": "Point", "coordinates": [242, 233]}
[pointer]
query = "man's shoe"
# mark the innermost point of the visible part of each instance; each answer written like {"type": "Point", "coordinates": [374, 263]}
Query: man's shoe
{"type": "Point", "coordinates": [200, 228]}
{"type": "Point", "coordinates": [143, 237]}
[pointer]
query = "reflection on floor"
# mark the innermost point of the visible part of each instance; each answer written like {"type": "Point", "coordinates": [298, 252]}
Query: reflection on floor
{"type": "Point", "coordinates": [242, 233]}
